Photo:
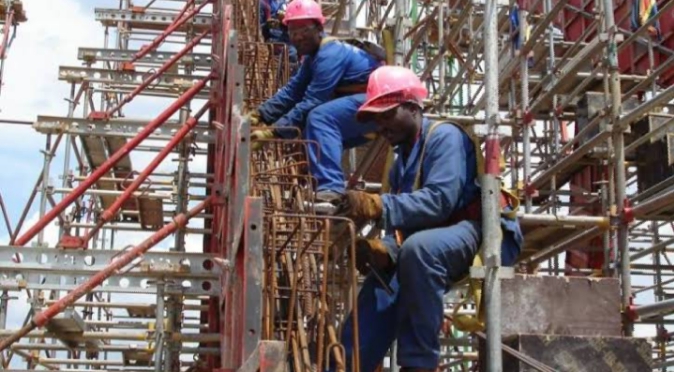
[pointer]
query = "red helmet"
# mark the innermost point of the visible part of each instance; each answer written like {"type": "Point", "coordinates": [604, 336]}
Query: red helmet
{"type": "Point", "coordinates": [303, 9]}
{"type": "Point", "coordinates": [390, 86]}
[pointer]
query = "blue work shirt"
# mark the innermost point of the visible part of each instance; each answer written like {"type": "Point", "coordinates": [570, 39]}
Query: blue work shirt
{"type": "Point", "coordinates": [336, 64]}
{"type": "Point", "coordinates": [448, 184]}
{"type": "Point", "coordinates": [269, 9]}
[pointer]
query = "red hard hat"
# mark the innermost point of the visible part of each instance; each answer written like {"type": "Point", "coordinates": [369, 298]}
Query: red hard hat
{"type": "Point", "coordinates": [391, 86]}
{"type": "Point", "coordinates": [303, 9]}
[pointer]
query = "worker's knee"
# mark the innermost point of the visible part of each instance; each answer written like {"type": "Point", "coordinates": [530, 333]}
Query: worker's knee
{"type": "Point", "coordinates": [447, 251]}
{"type": "Point", "coordinates": [416, 252]}
{"type": "Point", "coordinates": [317, 120]}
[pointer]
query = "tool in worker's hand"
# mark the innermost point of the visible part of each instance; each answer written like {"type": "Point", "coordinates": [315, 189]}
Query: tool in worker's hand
{"type": "Point", "coordinates": [380, 279]}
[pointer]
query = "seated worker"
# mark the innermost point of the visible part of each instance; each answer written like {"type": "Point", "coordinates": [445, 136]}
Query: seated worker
{"type": "Point", "coordinates": [432, 224]}
{"type": "Point", "coordinates": [321, 99]}
{"type": "Point", "coordinates": [272, 28]}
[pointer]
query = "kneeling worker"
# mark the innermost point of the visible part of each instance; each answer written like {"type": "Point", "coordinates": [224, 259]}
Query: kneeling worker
{"type": "Point", "coordinates": [321, 99]}
{"type": "Point", "coordinates": [432, 219]}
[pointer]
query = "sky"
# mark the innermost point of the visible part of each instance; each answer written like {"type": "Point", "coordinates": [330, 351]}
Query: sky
{"type": "Point", "coordinates": [30, 87]}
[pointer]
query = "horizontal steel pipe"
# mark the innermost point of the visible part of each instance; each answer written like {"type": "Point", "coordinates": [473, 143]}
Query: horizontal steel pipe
{"type": "Point", "coordinates": [43, 317]}
{"type": "Point", "coordinates": [111, 161]}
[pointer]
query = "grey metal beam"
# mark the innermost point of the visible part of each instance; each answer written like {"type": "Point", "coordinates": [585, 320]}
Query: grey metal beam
{"type": "Point", "coordinates": [148, 19]}
{"type": "Point", "coordinates": [116, 128]}
{"type": "Point", "coordinates": [59, 269]}
{"type": "Point", "coordinates": [77, 74]}
{"type": "Point", "coordinates": [154, 57]}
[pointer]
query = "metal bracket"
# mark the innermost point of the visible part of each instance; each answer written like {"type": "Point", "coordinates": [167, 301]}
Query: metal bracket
{"type": "Point", "coordinates": [268, 356]}
{"type": "Point", "coordinates": [504, 272]}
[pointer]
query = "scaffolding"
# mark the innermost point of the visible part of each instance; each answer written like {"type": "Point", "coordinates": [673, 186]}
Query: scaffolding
{"type": "Point", "coordinates": [177, 248]}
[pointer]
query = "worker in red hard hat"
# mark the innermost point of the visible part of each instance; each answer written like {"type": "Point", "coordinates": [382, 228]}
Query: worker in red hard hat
{"type": "Point", "coordinates": [321, 99]}
{"type": "Point", "coordinates": [432, 224]}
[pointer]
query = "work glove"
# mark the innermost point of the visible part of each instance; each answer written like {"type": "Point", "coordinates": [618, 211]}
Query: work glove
{"type": "Point", "coordinates": [253, 116]}
{"type": "Point", "coordinates": [257, 138]}
{"type": "Point", "coordinates": [374, 254]}
{"type": "Point", "coordinates": [360, 206]}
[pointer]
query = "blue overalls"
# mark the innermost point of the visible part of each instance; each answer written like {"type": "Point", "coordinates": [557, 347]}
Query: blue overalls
{"type": "Point", "coordinates": [320, 100]}
{"type": "Point", "coordinates": [430, 259]}
{"type": "Point", "coordinates": [275, 34]}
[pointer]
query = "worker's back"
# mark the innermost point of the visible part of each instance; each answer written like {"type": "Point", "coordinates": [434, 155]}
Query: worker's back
{"type": "Point", "coordinates": [335, 55]}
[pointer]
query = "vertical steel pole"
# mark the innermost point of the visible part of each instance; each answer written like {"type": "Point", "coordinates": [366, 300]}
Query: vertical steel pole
{"type": "Point", "coordinates": [159, 329]}
{"type": "Point", "coordinates": [399, 56]}
{"type": "Point", "coordinates": [44, 187]}
{"type": "Point", "coordinates": [491, 227]}
{"type": "Point", "coordinates": [619, 155]}
{"type": "Point", "coordinates": [526, 122]}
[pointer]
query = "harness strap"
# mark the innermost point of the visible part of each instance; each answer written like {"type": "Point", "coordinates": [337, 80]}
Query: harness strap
{"type": "Point", "coordinates": [464, 322]}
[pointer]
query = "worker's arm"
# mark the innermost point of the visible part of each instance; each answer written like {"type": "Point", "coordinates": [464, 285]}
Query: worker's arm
{"type": "Point", "coordinates": [327, 69]}
{"type": "Point", "coordinates": [444, 169]}
{"type": "Point", "coordinates": [279, 104]}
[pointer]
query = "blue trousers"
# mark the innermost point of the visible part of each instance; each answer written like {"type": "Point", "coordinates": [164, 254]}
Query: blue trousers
{"type": "Point", "coordinates": [429, 262]}
{"type": "Point", "coordinates": [334, 127]}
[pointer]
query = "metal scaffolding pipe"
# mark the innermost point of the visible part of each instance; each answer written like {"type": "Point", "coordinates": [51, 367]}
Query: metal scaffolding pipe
{"type": "Point", "coordinates": [560, 220]}
{"type": "Point", "coordinates": [157, 73]}
{"type": "Point", "coordinates": [177, 22]}
{"type": "Point", "coordinates": [651, 310]}
{"type": "Point", "coordinates": [111, 161]}
{"type": "Point", "coordinates": [40, 319]}
{"type": "Point", "coordinates": [648, 251]}
{"type": "Point", "coordinates": [491, 191]}
{"type": "Point", "coordinates": [110, 213]}
{"type": "Point", "coordinates": [653, 204]}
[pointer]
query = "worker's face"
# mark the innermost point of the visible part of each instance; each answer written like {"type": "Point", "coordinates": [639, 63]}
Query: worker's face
{"type": "Point", "coordinates": [305, 35]}
{"type": "Point", "coordinates": [399, 125]}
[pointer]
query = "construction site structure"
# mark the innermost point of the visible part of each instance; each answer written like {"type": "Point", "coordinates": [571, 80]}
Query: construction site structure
{"type": "Point", "coordinates": [179, 249]}
{"type": "Point", "coordinates": [12, 14]}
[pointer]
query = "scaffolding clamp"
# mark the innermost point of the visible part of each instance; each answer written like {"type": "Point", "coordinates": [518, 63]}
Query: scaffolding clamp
{"type": "Point", "coordinates": [99, 115]}
{"type": "Point", "coordinates": [628, 213]}
{"type": "Point", "coordinates": [72, 242]}
{"type": "Point", "coordinates": [530, 190]}
{"type": "Point", "coordinates": [528, 117]}
{"type": "Point", "coordinates": [630, 313]}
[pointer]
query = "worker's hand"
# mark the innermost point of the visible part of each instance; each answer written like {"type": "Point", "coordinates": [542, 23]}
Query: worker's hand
{"type": "Point", "coordinates": [257, 138]}
{"type": "Point", "coordinates": [372, 254]}
{"type": "Point", "coordinates": [274, 23]}
{"type": "Point", "coordinates": [253, 116]}
{"type": "Point", "coordinates": [360, 205]}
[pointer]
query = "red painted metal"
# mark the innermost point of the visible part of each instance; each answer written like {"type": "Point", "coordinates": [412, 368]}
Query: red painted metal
{"type": "Point", "coordinates": [577, 20]}
{"type": "Point", "coordinates": [177, 22]}
{"type": "Point", "coordinates": [5, 36]}
{"type": "Point", "coordinates": [109, 213]}
{"type": "Point", "coordinates": [188, 47]}
{"type": "Point", "coordinates": [43, 317]}
{"type": "Point", "coordinates": [111, 161]}
{"type": "Point", "coordinates": [214, 242]}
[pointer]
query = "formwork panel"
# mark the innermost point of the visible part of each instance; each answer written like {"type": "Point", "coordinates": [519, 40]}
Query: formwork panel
{"type": "Point", "coordinates": [561, 306]}
{"type": "Point", "coordinates": [577, 353]}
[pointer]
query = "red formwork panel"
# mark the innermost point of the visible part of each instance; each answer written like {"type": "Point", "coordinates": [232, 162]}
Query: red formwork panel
{"type": "Point", "coordinates": [577, 17]}
{"type": "Point", "coordinates": [589, 255]}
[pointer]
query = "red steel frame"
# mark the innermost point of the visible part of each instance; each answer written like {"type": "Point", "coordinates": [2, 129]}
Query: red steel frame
{"type": "Point", "coordinates": [236, 237]}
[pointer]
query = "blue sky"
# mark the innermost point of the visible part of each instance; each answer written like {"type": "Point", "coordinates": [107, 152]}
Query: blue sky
{"type": "Point", "coordinates": [31, 88]}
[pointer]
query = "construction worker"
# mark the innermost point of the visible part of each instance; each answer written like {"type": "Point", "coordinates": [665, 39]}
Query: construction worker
{"type": "Point", "coordinates": [272, 27]}
{"type": "Point", "coordinates": [321, 99]}
{"type": "Point", "coordinates": [432, 223]}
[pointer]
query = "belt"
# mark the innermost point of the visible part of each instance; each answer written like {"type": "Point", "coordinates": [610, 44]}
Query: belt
{"type": "Point", "coordinates": [351, 89]}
